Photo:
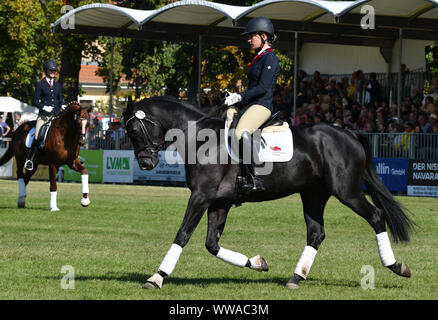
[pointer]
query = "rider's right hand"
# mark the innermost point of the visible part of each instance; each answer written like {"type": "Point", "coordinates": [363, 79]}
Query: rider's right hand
{"type": "Point", "coordinates": [48, 109]}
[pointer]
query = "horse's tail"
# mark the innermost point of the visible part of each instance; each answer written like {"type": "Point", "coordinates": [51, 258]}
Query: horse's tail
{"type": "Point", "coordinates": [394, 213]}
{"type": "Point", "coordinates": [7, 155]}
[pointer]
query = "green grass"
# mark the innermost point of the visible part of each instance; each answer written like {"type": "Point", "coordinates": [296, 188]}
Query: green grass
{"type": "Point", "coordinates": [119, 241]}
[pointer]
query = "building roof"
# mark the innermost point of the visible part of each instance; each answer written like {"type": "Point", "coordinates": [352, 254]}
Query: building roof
{"type": "Point", "coordinates": [87, 74]}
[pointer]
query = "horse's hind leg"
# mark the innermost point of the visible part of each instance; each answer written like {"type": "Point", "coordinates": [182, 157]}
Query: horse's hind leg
{"type": "Point", "coordinates": [314, 202]}
{"type": "Point", "coordinates": [217, 215]}
{"type": "Point", "coordinates": [21, 201]}
{"type": "Point", "coordinates": [23, 180]}
{"type": "Point", "coordinates": [359, 204]}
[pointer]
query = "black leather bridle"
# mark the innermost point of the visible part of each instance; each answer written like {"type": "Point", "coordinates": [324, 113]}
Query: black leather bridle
{"type": "Point", "coordinates": [150, 146]}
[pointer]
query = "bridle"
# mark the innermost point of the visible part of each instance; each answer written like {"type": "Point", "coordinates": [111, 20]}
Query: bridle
{"type": "Point", "coordinates": [150, 146]}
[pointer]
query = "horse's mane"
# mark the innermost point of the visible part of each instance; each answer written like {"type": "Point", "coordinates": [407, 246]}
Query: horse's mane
{"type": "Point", "coordinates": [177, 101]}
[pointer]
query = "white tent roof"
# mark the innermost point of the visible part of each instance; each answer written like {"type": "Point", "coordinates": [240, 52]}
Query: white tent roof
{"type": "Point", "coordinates": [9, 104]}
{"type": "Point", "coordinates": [316, 20]}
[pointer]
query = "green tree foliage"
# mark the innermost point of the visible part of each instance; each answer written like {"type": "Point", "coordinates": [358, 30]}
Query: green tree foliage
{"type": "Point", "coordinates": [26, 42]}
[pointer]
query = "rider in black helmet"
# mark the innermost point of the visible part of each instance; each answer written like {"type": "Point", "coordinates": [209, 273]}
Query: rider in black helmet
{"type": "Point", "coordinates": [262, 77]}
{"type": "Point", "coordinates": [48, 98]}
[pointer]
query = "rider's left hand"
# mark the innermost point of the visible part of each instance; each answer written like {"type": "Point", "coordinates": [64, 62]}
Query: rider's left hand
{"type": "Point", "coordinates": [63, 107]}
{"type": "Point", "coordinates": [233, 98]}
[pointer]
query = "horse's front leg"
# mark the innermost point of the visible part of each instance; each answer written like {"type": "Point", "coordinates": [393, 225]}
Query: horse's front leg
{"type": "Point", "coordinates": [53, 188]}
{"type": "Point", "coordinates": [217, 215]}
{"type": "Point", "coordinates": [196, 207]}
{"type": "Point", "coordinates": [77, 166]}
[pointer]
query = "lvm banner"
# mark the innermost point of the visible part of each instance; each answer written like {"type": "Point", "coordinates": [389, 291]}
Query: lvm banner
{"type": "Point", "coordinates": [118, 166]}
{"type": "Point", "coordinates": [92, 161]}
{"type": "Point", "coordinates": [423, 178]}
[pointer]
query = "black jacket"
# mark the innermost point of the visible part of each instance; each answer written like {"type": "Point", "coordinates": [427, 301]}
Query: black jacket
{"type": "Point", "coordinates": [46, 96]}
{"type": "Point", "coordinates": [262, 78]}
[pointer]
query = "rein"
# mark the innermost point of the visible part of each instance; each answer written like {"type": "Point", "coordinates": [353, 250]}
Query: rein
{"type": "Point", "coordinates": [207, 116]}
{"type": "Point", "coordinates": [154, 147]}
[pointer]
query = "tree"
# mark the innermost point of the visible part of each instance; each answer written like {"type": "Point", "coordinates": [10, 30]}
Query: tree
{"type": "Point", "coordinates": [26, 43]}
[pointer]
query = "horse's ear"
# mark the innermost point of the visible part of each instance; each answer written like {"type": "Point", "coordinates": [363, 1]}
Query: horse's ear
{"type": "Point", "coordinates": [129, 105]}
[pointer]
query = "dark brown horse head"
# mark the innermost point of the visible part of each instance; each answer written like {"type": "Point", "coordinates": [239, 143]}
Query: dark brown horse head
{"type": "Point", "coordinates": [79, 119]}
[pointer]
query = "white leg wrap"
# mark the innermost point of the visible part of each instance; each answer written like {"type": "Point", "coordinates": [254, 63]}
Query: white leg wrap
{"type": "Point", "coordinates": [305, 262]}
{"type": "Point", "coordinates": [84, 180]}
{"type": "Point", "coordinates": [170, 259]}
{"type": "Point", "coordinates": [385, 251]}
{"type": "Point", "coordinates": [21, 188]}
{"type": "Point", "coordinates": [232, 257]}
{"type": "Point", "coordinates": [53, 205]}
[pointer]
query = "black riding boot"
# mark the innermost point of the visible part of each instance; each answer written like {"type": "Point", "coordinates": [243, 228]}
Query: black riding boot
{"type": "Point", "coordinates": [253, 182]}
{"type": "Point", "coordinates": [28, 165]}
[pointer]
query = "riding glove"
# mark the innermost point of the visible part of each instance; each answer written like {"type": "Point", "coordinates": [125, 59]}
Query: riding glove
{"type": "Point", "coordinates": [233, 98]}
{"type": "Point", "coordinates": [48, 109]}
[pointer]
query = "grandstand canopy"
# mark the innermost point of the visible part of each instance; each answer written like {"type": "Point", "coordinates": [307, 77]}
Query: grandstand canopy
{"type": "Point", "coordinates": [296, 22]}
{"type": "Point", "coordinates": [318, 21]}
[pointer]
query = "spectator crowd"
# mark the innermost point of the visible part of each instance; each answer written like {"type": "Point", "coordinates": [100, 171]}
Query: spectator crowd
{"type": "Point", "coordinates": [357, 103]}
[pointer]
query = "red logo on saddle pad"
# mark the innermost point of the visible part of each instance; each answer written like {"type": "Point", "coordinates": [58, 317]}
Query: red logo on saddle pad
{"type": "Point", "coordinates": [275, 148]}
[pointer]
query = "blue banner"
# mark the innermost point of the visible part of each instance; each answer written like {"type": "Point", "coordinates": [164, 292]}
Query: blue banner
{"type": "Point", "coordinates": [393, 172]}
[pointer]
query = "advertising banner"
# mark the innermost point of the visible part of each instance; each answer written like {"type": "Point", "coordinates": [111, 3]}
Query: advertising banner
{"type": "Point", "coordinates": [423, 178]}
{"type": "Point", "coordinates": [92, 162]}
{"type": "Point", "coordinates": [170, 168]}
{"type": "Point", "coordinates": [118, 166]}
{"type": "Point", "coordinates": [393, 172]}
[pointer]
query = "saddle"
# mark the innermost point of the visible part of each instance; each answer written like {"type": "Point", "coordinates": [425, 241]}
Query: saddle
{"type": "Point", "coordinates": [276, 142]}
{"type": "Point", "coordinates": [275, 145]}
{"type": "Point", "coordinates": [42, 135]}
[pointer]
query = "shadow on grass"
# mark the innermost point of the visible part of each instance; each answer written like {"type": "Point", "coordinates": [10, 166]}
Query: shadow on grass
{"type": "Point", "coordinates": [141, 279]}
{"type": "Point", "coordinates": [14, 207]}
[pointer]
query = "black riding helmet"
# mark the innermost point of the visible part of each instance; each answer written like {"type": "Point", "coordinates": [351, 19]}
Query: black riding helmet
{"type": "Point", "coordinates": [50, 65]}
{"type": "Point", "coordinates": [260, 25]}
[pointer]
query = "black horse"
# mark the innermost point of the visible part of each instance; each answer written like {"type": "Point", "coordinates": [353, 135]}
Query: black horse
{"type": "Point", "coordinates": [327, 161]}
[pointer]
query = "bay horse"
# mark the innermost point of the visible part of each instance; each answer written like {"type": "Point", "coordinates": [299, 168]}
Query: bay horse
{"type": "Point", "coordinates": [327, 161]}
{"type": "Point", "coordinates": [64, 138]}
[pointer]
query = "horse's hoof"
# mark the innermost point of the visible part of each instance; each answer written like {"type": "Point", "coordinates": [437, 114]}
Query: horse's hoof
{"type": "Point", "coordinates": [21, 203]}
{"type": "Point", "coordinates": [150, 285]}
{"type": "Point", "coordinates": [85, 202]}
{"type": "Point", "coordinates": [405, 271]}
{"type": "Point", "coordinates": [293, 282]}
{"type": "Point", "coordinates": [154, 282]}
{"type": "Point", "coordinates": [258, 263]}
{"type": "Point", "coordinates": [400, 269]}
{"type": "Point", "coordinates": [54, 209]}
{"type": "Point", "coordinates": [292, 285]}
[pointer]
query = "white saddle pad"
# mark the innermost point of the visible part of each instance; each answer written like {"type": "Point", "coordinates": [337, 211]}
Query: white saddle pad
{"type": "Point", "coordinates": [30, 137]}
{"type": "Point", "coordinates": [276, 146]}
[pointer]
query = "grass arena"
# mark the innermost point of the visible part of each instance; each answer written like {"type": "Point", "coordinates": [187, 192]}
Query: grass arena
{"type": "Point", "coordinates": [110, 248]}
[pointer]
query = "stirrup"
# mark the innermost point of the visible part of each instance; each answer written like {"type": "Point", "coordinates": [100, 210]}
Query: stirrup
{"type": "Point", "coordinates": [254, 183]}
{"type": "Point", "coordinates": [28, 165]}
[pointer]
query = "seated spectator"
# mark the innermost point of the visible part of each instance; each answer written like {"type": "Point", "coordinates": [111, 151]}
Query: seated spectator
{"type": "Point", "coordinates": [381, 128]}
{"type": "Point", "coordinates": [433, 120]}
{"type": "Point", "coordinates": [423, 122]}
{"type": "Point", "coordinates": [17, 121]}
